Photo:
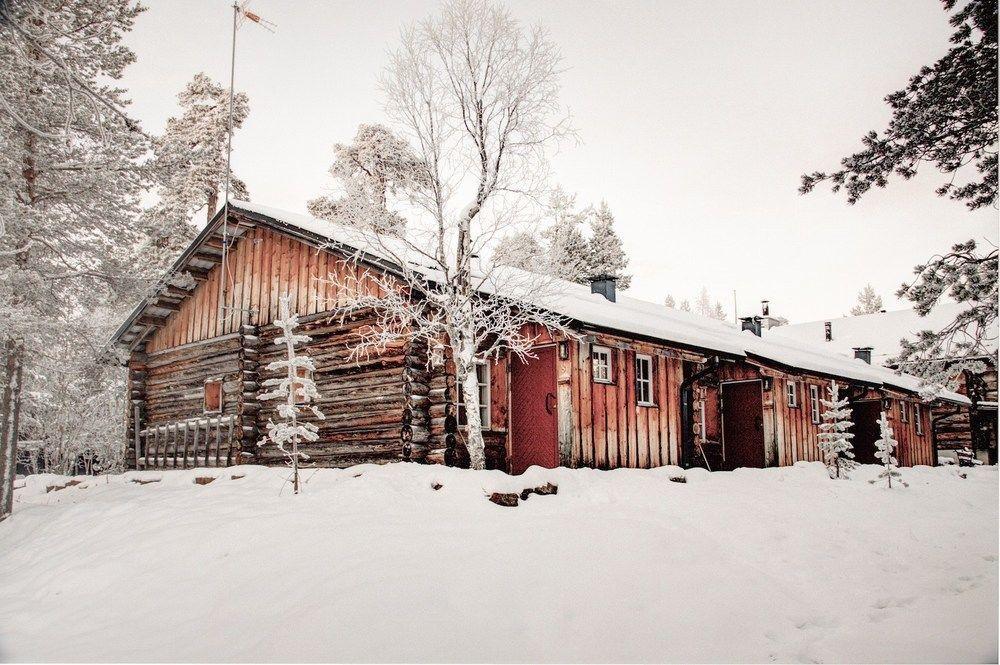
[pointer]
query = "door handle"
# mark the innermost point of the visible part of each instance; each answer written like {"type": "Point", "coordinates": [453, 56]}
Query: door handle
{"type": "Point", "coordinates": [550, 403]}
{"type": "Point", "coordinates": [759, 423]}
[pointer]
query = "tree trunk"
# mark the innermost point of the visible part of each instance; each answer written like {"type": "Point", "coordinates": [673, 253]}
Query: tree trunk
{"type": "Point", "coordinates": [10, 407]}
{"type": "Point", "coordinates": [469, 385]}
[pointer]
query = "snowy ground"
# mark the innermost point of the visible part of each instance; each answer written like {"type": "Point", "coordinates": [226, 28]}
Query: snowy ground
{"type": "Point", "coordinates": [372, 564]}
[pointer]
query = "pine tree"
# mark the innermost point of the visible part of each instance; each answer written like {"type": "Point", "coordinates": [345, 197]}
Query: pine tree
{"type": "Point", "coordinates": [296, 388]}
{"type": "Point", "coordinates": [703, 305]}
{"type": "Point", "coordinates": [71, 174]}
{"type": "Point", "coordinates": [685, 306]}
{"type": "Point", "coordinates": [605, 254]}
{"type": "Point", "coordinates": [375, 167]}
{"type": "Point", "coordinates": [565, 246]}
{"type": "Point", "coordinates": [884, 448]}
{"type": "Point", "coordinates": [669, 301]}
{"type": "Point", "coordinates": [869, 302]}
{"type": "Point", "coordinates": [520, 250]}
{"type": "Point", "coordinates": [834, 439]}
{"type": "Point", "coordinates": [718, 312]}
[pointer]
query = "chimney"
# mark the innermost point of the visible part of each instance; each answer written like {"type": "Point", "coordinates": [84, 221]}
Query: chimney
{"type": "Point", "coordinates": [605, 285]}
{"type": "Point", "coordinates": [863, 353]}
{"type": "Point", "coordinates": [828, 330]}
{"type": "Point", "coordinates": [765, 308]}
{"type": "Point", "coordinates": [751, 323]}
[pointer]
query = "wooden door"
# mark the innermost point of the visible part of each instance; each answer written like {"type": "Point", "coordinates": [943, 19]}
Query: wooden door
{"type": "Point", "coordinates": [743, 424]}
{"type": "Point", "coordinates": [866, 431]}
{"type": "Point", "coordinates": [534, 437]}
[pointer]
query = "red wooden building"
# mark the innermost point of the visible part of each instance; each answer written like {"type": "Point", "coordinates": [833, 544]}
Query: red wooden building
{"type": "Point", "coordinates": [637, 385]}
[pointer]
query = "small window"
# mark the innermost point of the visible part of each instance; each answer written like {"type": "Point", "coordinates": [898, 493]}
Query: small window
{"type": "Point", "coordinates": [213, 396]}
{"type": "Point", "coordinates": [792, 394]}
{"type": "Point", "coordinates": [483, 382]}
{"type": "Point", "coordinates": [297, 386]}
{"type": "Point", "coordinates": [814, 403]}
{"type": "Point", "coordinates": [917, 421]}
{"type": "Point", "coordinates": [903, 412]}
{"type": "Point", "coordinates": [644, 380]}
{"type": "Point", "coordinates": [600, 360]}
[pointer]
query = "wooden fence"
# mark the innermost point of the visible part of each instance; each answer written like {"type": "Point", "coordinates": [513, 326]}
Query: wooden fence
{"type": "Point", "coordinates": [189, 443]}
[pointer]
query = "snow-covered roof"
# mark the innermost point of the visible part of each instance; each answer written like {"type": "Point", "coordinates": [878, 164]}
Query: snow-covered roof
{"type": "Point", "coordinates": [881, 331]}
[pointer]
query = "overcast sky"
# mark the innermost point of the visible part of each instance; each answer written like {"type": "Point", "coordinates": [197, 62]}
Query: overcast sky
{"type": "Point", "coordinates": [696, 120]}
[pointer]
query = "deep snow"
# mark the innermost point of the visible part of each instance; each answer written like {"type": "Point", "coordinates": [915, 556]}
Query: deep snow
{"type": "Point", "coordinates": [372, 564]}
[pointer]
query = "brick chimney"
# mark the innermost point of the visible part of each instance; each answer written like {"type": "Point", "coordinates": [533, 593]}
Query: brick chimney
{"type": "Point", "coordinates": [606, 285]}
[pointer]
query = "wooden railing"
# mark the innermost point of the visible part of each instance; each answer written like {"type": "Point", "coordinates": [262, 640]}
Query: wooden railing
{"type": "Point", "coordinates": [208, 441]}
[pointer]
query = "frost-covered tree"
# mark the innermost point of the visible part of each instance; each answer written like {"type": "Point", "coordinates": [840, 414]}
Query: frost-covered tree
{"type": "Point", "coordinates": [884, 448]}
{"type": "Point", "coordinates": [605, 254]}
{"type": "Point", "coordinates": [703, 304]}
{"type": "Point", "coordinates": [718, 312]}
{"type": "Point", "coordinates": [70, 179]}
{"type": "Point", "coordinates": [296, 389]}
{"type": "Point", "coordinates": [834, 437]}
{"type": "Point", "coordinates": [685, 306]}
{"type": "Point", "coordinates": [869, 302]}
{"type": "Point", "coordinates": [476, 93]}
{"type": "Point", "coordinates": [375, 166]}
{"type": "Point", "coordinates": [669, 301]}
{"type": "Point", "coordinates": [566, 247]}
{"type": "Point", "coordinates": [521, 250]}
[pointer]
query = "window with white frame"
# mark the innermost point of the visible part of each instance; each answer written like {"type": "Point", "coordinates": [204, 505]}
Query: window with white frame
{"type": "Point", "coordinates": [643, 380]}
{"type": "Point", "coordinates": [902, 412]}
{"type": "Point", "coordinates": [792, 394]}
{"type": "Point", "coordinates": [600, 362]}
{"type": "Point", "coordinates": [483, 383]}
{"type": "Point", "coordinates": [814, 403]}
{"type": "Point", "coordinates": [917, 422]}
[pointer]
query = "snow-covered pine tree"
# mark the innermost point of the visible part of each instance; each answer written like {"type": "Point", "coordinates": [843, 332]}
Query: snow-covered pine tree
{"type": "Point", "coordinates": [520, 250]}
{"type": "Point", "coordinates": [70, 180]}
{"type": "Point", "coordinates": [685, 305]}
{"type": "Point", "coordinates": [296, 388]}
{"type": "Point", "coordinates": [718, 312]}
{"type": "Point", "coordinates": [884, 448]}
{"type": "Point", "coordinates": [834, 437]}
{"type": "Point", "coordinates": [669, 301]}
{"type": "Point", "coordinates": [605, 253]}
{"type": "Point", "coordinates": [375, 166]}
{"type": "Point", "coordinates": [869, 302]}
{"type": "Point", "coordinates": [703, 305]}
{"type": "Point", "coordinates": [565, 246]}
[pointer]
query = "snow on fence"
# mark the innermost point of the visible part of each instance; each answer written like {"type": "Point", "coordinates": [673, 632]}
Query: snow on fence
{"type": "Point", "coordinates": [192, 442]}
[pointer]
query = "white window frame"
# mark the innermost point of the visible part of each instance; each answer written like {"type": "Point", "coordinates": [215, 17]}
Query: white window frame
{"type": "Point", "coordinates": [918, 423]}
{"type": "Point", "coordinates": [792, 394]}
{"type": "Point", "coordinates": [485, 398]}
{"type": "Point", "coordinates": [814, 404]}
{"type": "Point", "coordinates": [650, 401]}
{"type": "Point", "coordinates": [903, 409]}
{"type": "Point", "coordinates": [607, 366]}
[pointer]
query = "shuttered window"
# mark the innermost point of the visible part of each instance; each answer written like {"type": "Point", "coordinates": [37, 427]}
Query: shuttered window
{"type": "Point", "coordinates": [644, 380]}
{"type": "Point", "coordinates": [814, 403]}
{"type": "Point", "coordinates": [213, 396]}
{"type": "Point", "coordinates": [483, 382]}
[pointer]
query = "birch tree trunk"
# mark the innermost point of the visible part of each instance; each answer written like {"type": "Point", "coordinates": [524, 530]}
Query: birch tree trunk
{"type": "Point", "coordinates": [10, 408]}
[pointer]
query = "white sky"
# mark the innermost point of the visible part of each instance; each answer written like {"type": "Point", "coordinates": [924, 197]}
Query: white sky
{"type": "Point", "coordinates": [696, 120]}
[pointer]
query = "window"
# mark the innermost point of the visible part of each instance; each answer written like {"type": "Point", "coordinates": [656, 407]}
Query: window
{"type": "Point", "coordinates": [213, 396]}
{"type": "Point", "coordinates": [917, 422]}
{"type": "Point", "coordinates": [902, 412]}
{"type": "Point", "coordinates": [814, 403]}
{"type": "Point", "coordinates": [792, 394]}
{"type": "Point", "coordinates": [483, 382]}
{"type": "Point", "coordinates": [297, 386]}
{"type": "Point", "coordinates": [644, 380]}
{"type": "Point", "coordinates": [600, 361]}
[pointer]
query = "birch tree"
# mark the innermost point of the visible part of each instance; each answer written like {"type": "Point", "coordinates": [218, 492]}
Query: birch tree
{"type": "Point", "coordinates": [296, 389]}
{"type": "Point", "coordinates": [476, 95]}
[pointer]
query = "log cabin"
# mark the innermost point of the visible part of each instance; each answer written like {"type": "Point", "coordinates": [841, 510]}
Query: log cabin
{"type": "Point", "coordinates": [958, 430]}
{"type": "Point", "coordinates": [634, 384]}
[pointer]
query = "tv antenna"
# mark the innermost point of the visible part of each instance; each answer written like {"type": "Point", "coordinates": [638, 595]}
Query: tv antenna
{"type": "Point", "coordinates": [241, 14]}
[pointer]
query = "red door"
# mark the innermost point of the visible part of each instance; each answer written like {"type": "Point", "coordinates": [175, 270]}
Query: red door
{"type": "Point", "coordinates": [743, 424]}
{"type": "Point", "coordinates": [534, 438]}
{"type": "Point", "coordinates": [866, 430]}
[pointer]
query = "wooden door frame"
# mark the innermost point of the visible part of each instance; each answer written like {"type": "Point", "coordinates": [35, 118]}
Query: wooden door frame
{"type": "Point", "coordinates": [722, 413]}
{"type": "Point", "coordinates": [511, 359]}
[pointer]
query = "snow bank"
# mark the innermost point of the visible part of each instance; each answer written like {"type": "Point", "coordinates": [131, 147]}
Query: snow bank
{"type": "Point", "coordinates": [373, 564]}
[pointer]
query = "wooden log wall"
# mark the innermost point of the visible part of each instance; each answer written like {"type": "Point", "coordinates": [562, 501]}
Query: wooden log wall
{"type": "Point", "coordinates": [609, 428]}
{"type": "Point", "coordinates": [175, 379]}
{"type": "Point", "coordinates": [364, 399]}
{"type": "Point", "coordinates": [135, 416]}
{"type": "Point", "coordinates": [790, 432]}
{"type": "Point", "coordinates": [261, 266]}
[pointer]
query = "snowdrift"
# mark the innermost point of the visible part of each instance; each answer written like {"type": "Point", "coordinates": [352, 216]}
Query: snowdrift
{"type": "Point", "coordinates": [373, 564]}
